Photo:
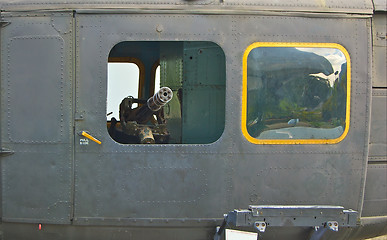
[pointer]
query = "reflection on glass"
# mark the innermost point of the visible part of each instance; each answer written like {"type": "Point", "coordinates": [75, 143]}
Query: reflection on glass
{"type": "Point", "coordinates": [296, 93]}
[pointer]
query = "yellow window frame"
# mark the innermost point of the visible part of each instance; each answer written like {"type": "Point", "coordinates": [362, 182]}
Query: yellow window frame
{"type": "Point", "coordinates": [294, 141]}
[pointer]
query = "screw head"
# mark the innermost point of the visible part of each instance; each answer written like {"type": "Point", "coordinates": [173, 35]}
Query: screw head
{"type": "Point", "coordinates": [159, 28]}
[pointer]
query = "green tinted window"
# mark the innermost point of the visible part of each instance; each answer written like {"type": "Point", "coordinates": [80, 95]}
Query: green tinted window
{"type": "Point", "coordinates": [296, 93]}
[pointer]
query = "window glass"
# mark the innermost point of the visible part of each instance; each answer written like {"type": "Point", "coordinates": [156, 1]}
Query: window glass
{"type": "Point", "coordinates": [123, 81]}
{"type": "Point", "coordinates": [296, 93]}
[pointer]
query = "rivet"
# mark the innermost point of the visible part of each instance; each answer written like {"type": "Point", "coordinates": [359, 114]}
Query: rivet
{"type": "Point", "coordinates": [159, 28]}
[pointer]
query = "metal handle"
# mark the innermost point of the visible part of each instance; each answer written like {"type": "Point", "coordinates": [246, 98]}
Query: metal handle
{"type": "Point", "coordinates": [87, 135]}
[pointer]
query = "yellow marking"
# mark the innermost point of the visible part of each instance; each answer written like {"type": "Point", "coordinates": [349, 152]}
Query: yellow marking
{"type": "Point", "coordinates": [293, 141]}
{"type": "Point", "coordinates": [85, 134]}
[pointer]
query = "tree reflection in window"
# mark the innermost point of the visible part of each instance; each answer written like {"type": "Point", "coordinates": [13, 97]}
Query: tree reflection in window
{"type": "Point", "coordinates": [296, 93]}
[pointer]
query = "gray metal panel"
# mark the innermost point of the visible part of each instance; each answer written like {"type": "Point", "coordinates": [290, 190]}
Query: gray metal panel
{"type": "Point", "coordinates": [379, 78]}
{"type": "Point", "coordinates": [39, 88]}
{"type": "Point", "coordinates": [379, 25]}
{"type": "Point", "coordinates": [188, 232]}
{"type": "Point", "coordinates": [378, 134]}
{"type": "Point", "coordinates": [36, 100]}
{"type": "Point", "coordinates": [233, 171]}
{"type": "Point", "coordinates": [375, 199]}
{"type": "Point", "coordinates": [145, 186]}
{"type": "Point", "coordinates": [94, 163]}
{"type": "Point", "coordinates": [348, 6]}
{"type": "Point", "coordinates": [15, 231]}
{"type": "Point", "coordinates": [380, 5]}
{"type": "Point", "coordinates": [307, 5]}
{"type": "Point", "coordinates": [36, 187]}
{"type": "Point", "coordinates": [343, 164]}
{"type": "Point", "coordinates": [111, 2]}
{"type": "Point", "coordinates": [14, 5]}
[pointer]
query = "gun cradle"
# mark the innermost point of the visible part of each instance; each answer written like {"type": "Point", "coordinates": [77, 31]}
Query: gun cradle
{"type": "Point", "coordinates": [144, 124]}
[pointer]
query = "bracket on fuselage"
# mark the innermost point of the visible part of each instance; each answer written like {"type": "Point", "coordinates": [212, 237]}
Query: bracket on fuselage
{"type": "Point", "coordinates": [261, 217]}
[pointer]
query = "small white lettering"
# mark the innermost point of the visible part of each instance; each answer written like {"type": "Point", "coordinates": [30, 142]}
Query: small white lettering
{"type": "Point", "coordinates": [84, 141]}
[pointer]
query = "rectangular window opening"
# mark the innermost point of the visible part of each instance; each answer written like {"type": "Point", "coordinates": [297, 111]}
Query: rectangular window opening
{"type": "Point", "coordinates": [176, 95]}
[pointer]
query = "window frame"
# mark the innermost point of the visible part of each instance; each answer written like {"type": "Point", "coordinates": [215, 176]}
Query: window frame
{"type": "Point", "coordinates": [298, 45]}
{"type": "Point", "coordinates": [153, 77]}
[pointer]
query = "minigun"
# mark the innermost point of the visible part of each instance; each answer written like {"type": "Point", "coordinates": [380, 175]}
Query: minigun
{"type": "Point", "coordinates": [144, 123]}
{"type": "Point", "coordinates": [144, 113]}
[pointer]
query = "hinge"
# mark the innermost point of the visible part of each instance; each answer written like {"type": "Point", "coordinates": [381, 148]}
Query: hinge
{"type": "Point", "coordinates": [5, 152]}
{"type": "Point", "coordinates": [381, 35]}
{"type": "Point", "coordinates": [4, 23]}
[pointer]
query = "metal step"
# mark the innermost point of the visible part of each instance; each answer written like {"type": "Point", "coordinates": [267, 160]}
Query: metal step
{"type": "Point", "coordinates": [260, 217]}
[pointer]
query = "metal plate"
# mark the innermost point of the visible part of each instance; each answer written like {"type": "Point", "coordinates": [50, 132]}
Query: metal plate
{"type": "Point", "coordinates": [36, 125]}
{"type": "Point", "coordinates": [306, 5]}
{"type": "Point", "coordinates": [41, 87]}
{"type": "Point", "coordinates": [379, 50]}
{"type": "Point", "coordinates": [380, 5]}
{"type": "Point", "coordinates": [13, 5]}
{"type": "Point", "coordinates": [347, 6]}
{"type": "Point", "coordinates": [375, 202]}
{"type": "Point", "coordinates": [240, 235]}
{"type": "Point", "coordinates": [378, 135]}
{"type": "Point", "coordinates": [249, 174]}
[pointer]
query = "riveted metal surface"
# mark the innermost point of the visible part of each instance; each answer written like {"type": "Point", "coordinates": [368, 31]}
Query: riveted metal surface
{"type": "Point", "coordinates": [111, 2]}
{"type": "Point", "coordinates": [379, 37]}
{"type": "Point", "coordinates": [305, 5]}
{"type": "Point", "coordinates": [380, 5]}
{"type": "Point", "coordinates": [65, 232]}
{"type": "Point", "coordinates": [378, 134]}
{"type": "Point", "coordinates": [35, 187]}
{"type": "Point", "coordinates": [248, 173]}
{"type": "Point", "coordinates": [140, 183]}
{"type": "Point", "coordinates": [375, 202]}
{"type": "Point", "coordinates": [175, 163]}
{"type": "Point", "coordinates": [347, 157]}
{"type": "Point", "coordinates": [154, 191]}
{"type": "Point", "coordinates": [24, 89]}
{"type": "Point", "coordinates": [36, 100]}
{"type": "Point", "coordinates": [347, 6]}
{"type": "Point", "coordinates": [28, 5]}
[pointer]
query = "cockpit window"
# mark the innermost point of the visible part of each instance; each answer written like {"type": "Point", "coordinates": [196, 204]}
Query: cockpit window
{"type": "Point", "coordinates": [296, 93]}
{"type": "Point", "coordinates": [179, 99]}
